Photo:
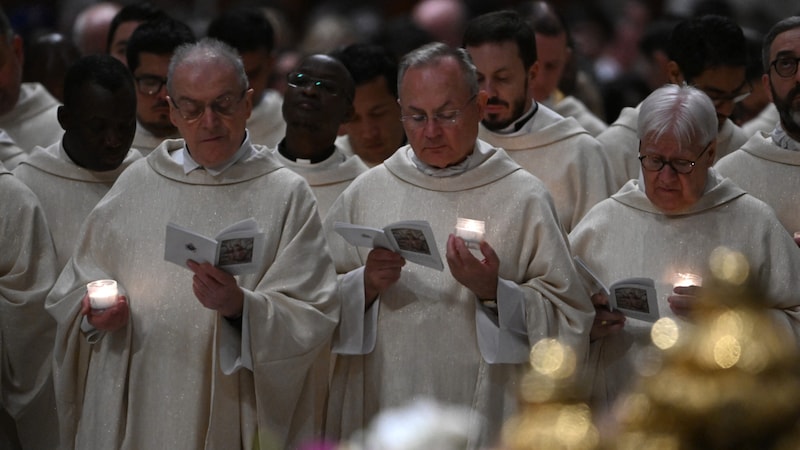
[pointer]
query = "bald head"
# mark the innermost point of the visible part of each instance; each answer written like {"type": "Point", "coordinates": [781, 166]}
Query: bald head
{"type": "Point", "coordinates": [90, 32]}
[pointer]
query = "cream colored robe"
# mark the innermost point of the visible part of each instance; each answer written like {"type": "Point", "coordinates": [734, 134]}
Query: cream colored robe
{"type": "Point", "coordinates": [426, 340]}
{"type": "Point", "coordinates": [66, 191]}
{"type": "Point", "coordinates": [27, 272]}
{"type": "Point", "coordinates": [564, 156]}
{"type": "Point", "coordinates": [145, 142]}
{"type": "Point", "coordinates": [33, 121]}
{"type": "Point", "coordinates": [768, 173]}
{"type": "Point", "coordinates": [765, 121]}
{"type": "Point", "coordinates": [570, 106]}
{"type": "Point", "coordinates": [266, 124]}
{"type": "Point", "coordinates": [327, 178]}
{"type": "Point", "coordinates": [621, 145]}
{"type": "Point", "coordinates": [158, 382]}
{"type": "Point", "coordinates": [626, 236]}
{"type": "Point", "coordinates": [10, 153]}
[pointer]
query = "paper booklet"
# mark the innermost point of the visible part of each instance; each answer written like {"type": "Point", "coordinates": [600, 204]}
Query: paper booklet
{"type": "Point", "coordinates": [237, 249]}
{"type": "Point", "coordinates": [634, 297]}
{"type": "Point", "coordinates": [412, 239]}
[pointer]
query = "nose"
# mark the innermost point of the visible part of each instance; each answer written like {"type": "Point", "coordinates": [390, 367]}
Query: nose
{"type": "Point", "coordinates": [209, 119]}
{"type": "Point", "coordinates": [112, 139]}
{"type": "Point", "coordinates": [432, 127]}
{"type": "Point", "coordinates": [724, 107]}
{"type": "Point", "coordinates": [488, 86]}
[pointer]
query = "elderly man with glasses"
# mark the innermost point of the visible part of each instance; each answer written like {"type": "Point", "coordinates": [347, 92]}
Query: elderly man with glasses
{"type": "Point", "coordinates": [669, 221]}
{"type": "Point", "coordinates": [148, 53]}
{"type": "Point", "coordinates": [196, 358]}
{"type": "Point", "coordinates": [461, 335]}
{"type": "Point", "coordinates": [709, 53]}
{"type": "Point", "coordinates": [768, 164]}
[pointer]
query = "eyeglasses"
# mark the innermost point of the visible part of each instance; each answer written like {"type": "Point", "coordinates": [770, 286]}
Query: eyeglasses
{"type": "Point", "coordinates": [150, 84]}
{"type": "Point", "coordinates": [785, 66]}
{"type": "Point", "coordinates": [656, 163]}
{"type": "Point", "coordinates": [299, 80]}
{"type": "Point", "coordinates": [720, 100]}
{"type": "Point", "coordinates": [444, 119]}
{"type": "Point", "coordinates": [191, 110]}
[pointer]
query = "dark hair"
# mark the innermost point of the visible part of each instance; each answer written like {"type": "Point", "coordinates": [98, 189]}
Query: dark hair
{"type": "Point", "coordinates": [102, 70]}
{"type": "Point", "coordinates": [5, 26]}
{"type": "Point", "coordinates": [544, 18]}
{"type": "Point", "coordinates": [137, 12]}
{"type": "Point", "coordinates": [245, 29]}
{"type": "Point", "coordinates": [790, 23]}
{"type": "Point", "coordinates": [704, 42]}
{"type": "Point", "coordinates": [503, 26]}
{"type": "Point", "coordinates": [366, 62]}
{"type": "Point", "coordinates": [161, 36]}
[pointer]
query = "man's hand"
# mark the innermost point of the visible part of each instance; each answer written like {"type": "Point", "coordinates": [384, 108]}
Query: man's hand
{"type": "Point", "coordinates": [217, 289]}
{"type": "Point", "coordinates": [381, 270]}
{"type": "Point", "coordinates": [682, 301]}
{"type": "Point", "coordinates": [606, 322]}
{"type": "Point", "coordinates": [109, 319]}
{"type": "Point", "coordinates": [480, 277]}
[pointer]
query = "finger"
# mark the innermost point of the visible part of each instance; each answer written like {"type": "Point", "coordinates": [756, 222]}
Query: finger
{"type": "Point", "coordinates": [490, 256]}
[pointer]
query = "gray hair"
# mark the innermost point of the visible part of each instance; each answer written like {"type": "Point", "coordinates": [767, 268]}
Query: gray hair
{"type": "Point", "coordinates": [681, 111]}
{"type": "Point", "coordinates": [206, 49]}
{"type": "Point", "coordinates": [431, 54]}
{"type": "Point", "coordinates": [790, 23]}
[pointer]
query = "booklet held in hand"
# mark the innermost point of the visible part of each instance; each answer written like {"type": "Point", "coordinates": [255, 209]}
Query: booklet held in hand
{"type": "Point", "coordinates": [634, 297]}
{"type": "Point", "coordinates": [412, 239]}
{"type": "Point", "coordinates": [237, 249]}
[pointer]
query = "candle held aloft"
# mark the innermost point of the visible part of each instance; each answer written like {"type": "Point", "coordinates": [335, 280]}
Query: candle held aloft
{"type": "Point", "coordinates": [102, 293]}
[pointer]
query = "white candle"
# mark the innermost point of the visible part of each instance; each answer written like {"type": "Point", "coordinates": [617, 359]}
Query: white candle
{"type": "Point", "coordinates": [102, 293]}
{"type": "Point", "coordinates": [683, 279]}
{"type": "Point", "coordinates": [797, 235]}
{"type": "Point", "coordinates": [471, 231]}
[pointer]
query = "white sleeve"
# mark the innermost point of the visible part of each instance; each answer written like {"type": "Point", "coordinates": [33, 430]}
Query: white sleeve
{"type": "Point", "coordinates": [234, 344]}
{"type": "Point", "coordinates": [503, 335]}
{"type": "Point", "coordinates": [357, 330]}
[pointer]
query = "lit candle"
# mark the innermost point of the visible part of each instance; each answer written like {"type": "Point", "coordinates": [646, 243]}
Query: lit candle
{"type": "Point", "coordinates": [471, 231]}
{"type": "Point", "coordinates": [102, 293]}
{"type": "Point", "coordinates": [687, 279]}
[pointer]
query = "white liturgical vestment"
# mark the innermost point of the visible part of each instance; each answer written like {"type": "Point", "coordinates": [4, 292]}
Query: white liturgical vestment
{"type": "Point", "coordinates": [627, 236]}
{"type": "Point", "coordinates": [179, 375]}
{"type": "Point", "coordinates": [427, 335]}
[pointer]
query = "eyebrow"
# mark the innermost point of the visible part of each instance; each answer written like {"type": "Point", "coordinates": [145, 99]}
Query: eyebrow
{"type": "Point", "coordinates": [717, 90]}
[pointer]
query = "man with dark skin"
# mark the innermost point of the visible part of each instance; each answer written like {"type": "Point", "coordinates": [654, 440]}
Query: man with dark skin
{"type": "Point", "coordinates": [319, 99]}
{"type": "Point", "coordinates": [99, 119]}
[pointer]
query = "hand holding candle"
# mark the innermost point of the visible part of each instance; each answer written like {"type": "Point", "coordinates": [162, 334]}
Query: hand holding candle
{"type": "Point", "coordinates": [684, 292]}
{"type": "Point", "coordinates": [102, 294]}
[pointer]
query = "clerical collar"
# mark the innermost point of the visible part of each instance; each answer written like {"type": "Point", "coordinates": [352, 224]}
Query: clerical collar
{"type": "Point", "coordinates": [322, 157]}
{"type": "Point", "coordinates": [783, 140]}
{"type": "Point", "coordinates": [184, 157]}
{"type": "Point", "coordinates": [519, 123]}
{"type": "Point", "coordinates": [474, 159]}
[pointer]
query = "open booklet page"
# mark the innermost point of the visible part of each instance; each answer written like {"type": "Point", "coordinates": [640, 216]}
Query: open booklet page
{"type": "Point", "coordinates": [412, 239]}
{"type": "Point", "coordinates": [634, 297]}
{"type": "Point", "coordinates": [237, 249]}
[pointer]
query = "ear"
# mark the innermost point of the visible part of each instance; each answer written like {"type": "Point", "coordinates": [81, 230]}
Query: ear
{"type": "Point", "coordinates": [533, 70]}
{"type": "Point", "coordinates": [711, 153]}
{"type": "Point", "coordinates": [19, 50]}
{"type": "Point", "coordinates": [480, 100]}
{"type": "Point", "coordinates": [674, 74]}
{"type": "Point", "coordinates": [63, 117]}
{"type": "Point", "coordinates": [173, 112]}
{"type": "Point", "coordinates": [248, 101]}
{"type": "Point", "coordinates": [765, 81]}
